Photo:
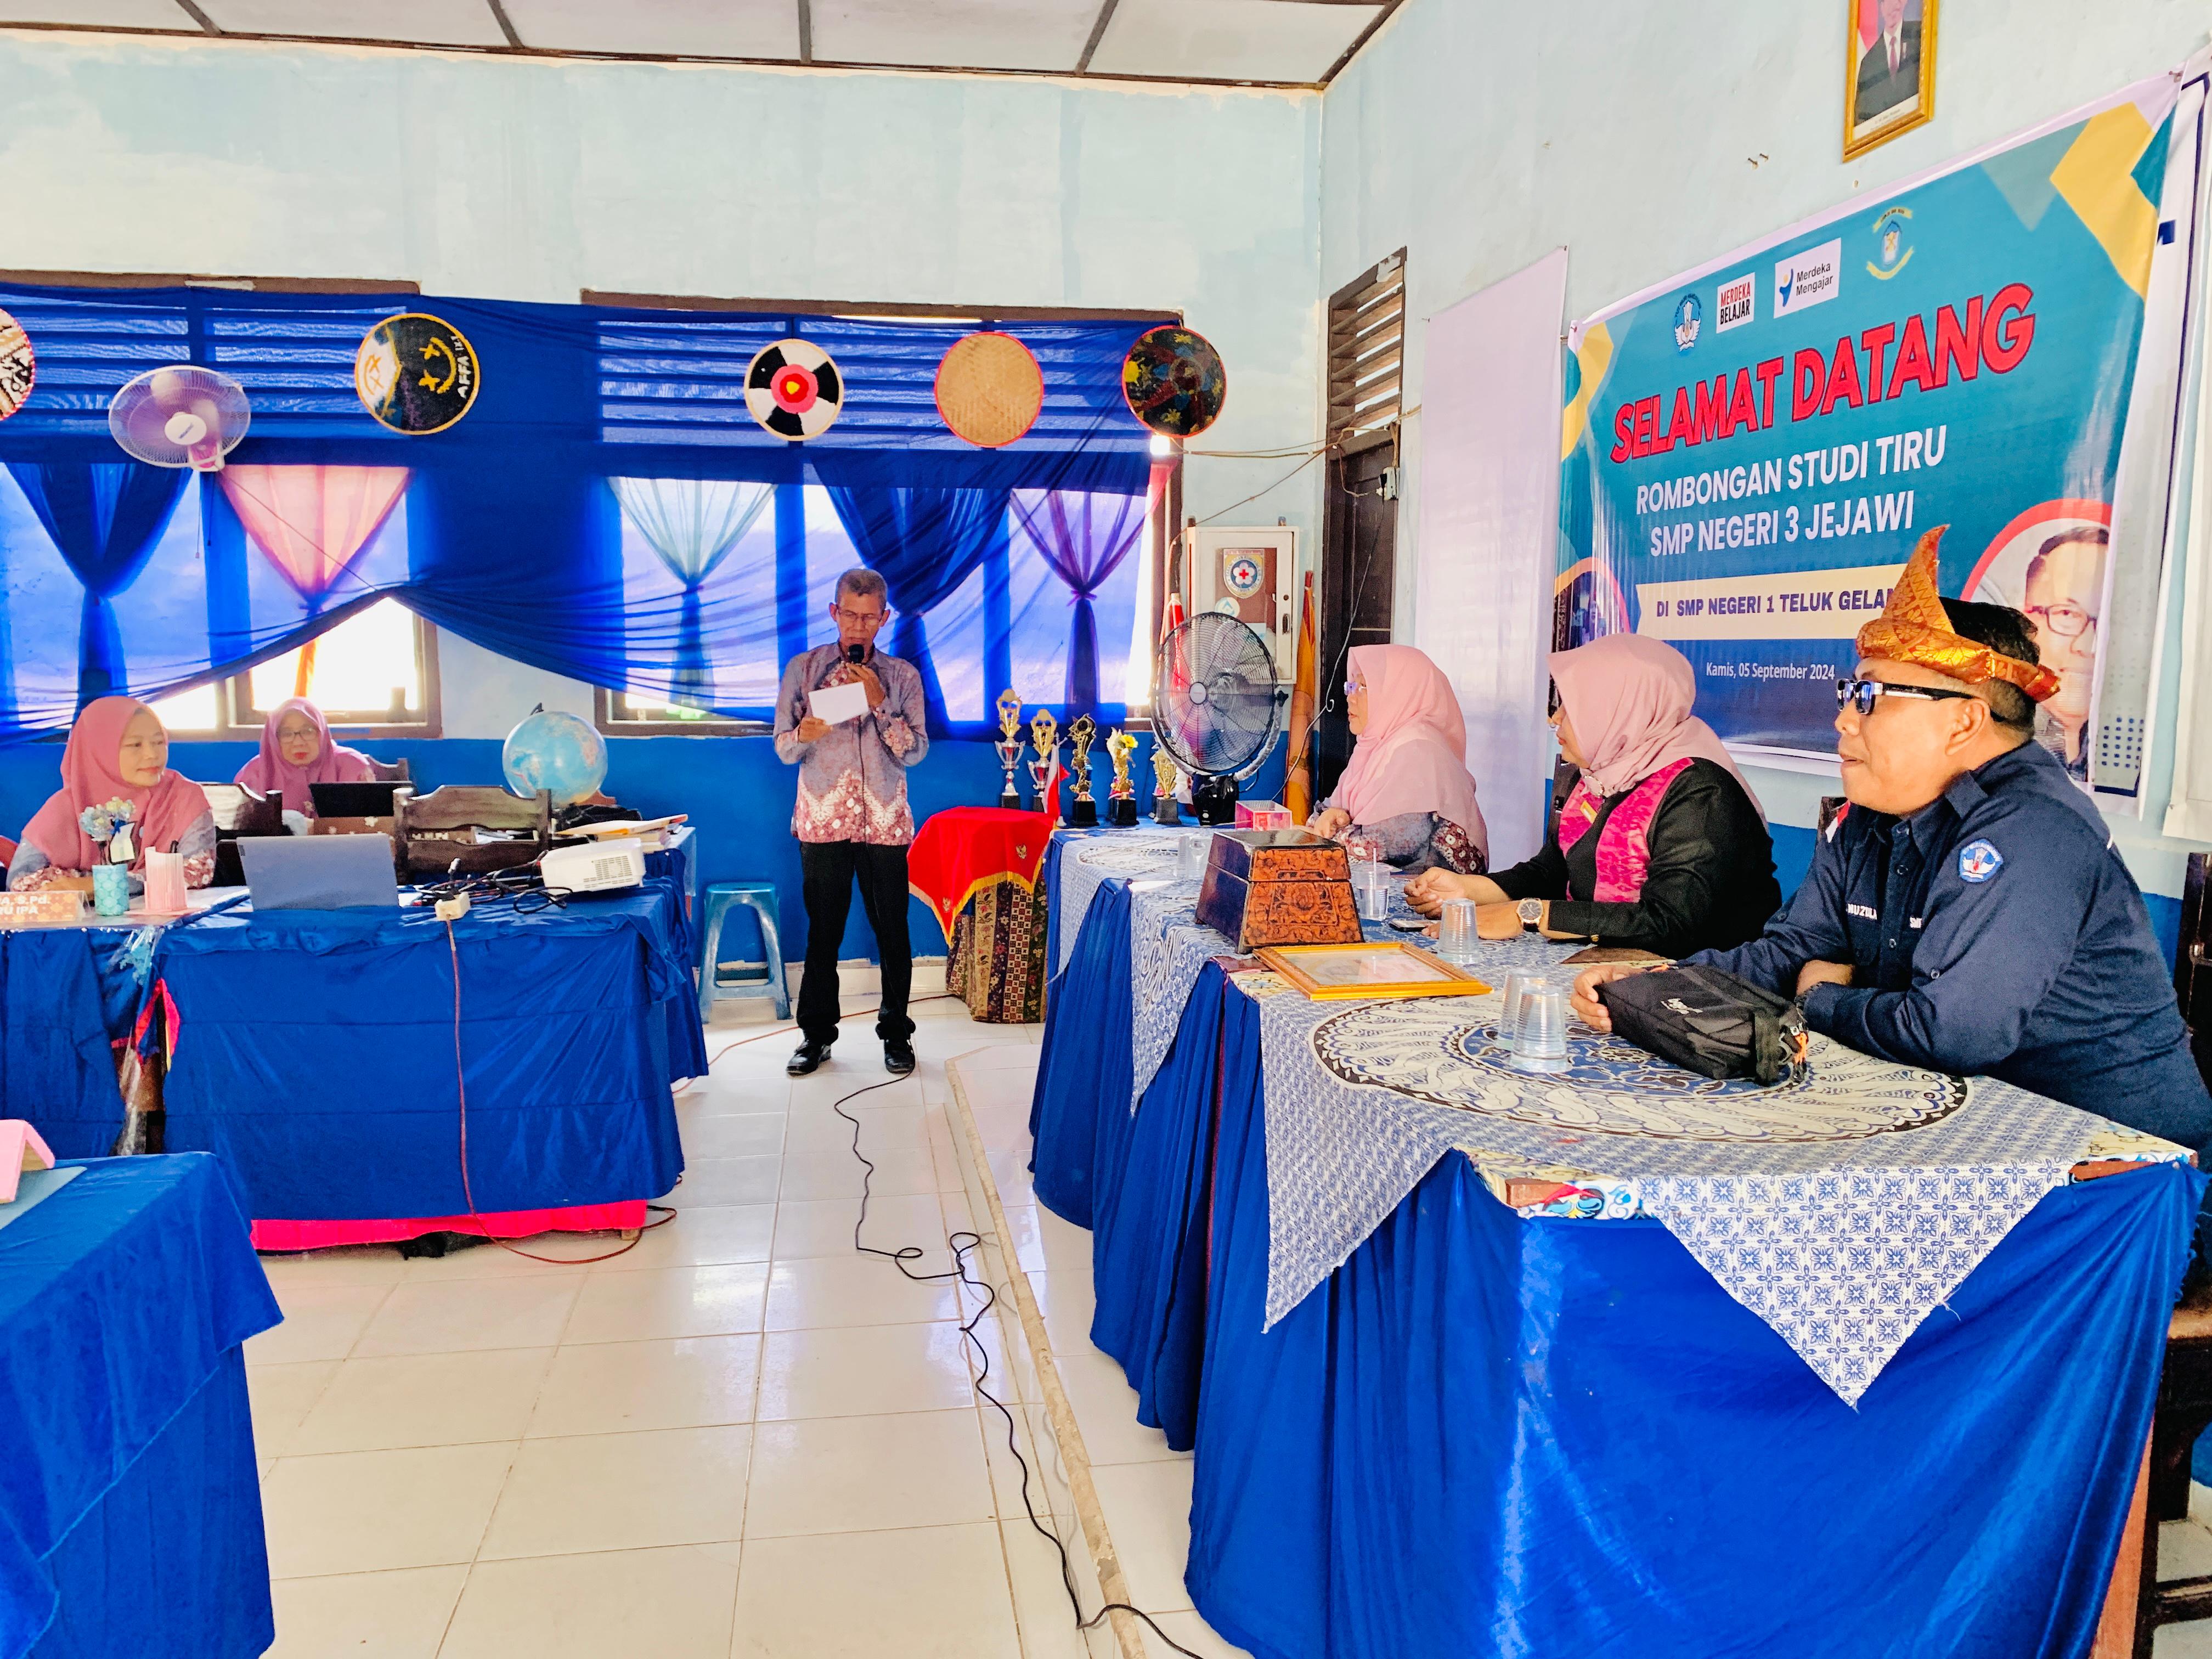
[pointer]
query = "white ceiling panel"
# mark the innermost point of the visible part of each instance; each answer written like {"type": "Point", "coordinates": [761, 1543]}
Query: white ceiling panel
{"type": "Point", "coordinates": [417, 23]}
{"type": "Point", "coordinates": [670, 28]}
{"type": "Point", "coordinates": [1228, 39]}
{"type": "Point", "coordinates": [1005, 35]}
{"type": "Point", "coordinates": [100, 14]}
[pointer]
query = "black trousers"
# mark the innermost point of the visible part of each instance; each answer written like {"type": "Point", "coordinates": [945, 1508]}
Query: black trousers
{"type": "Point", "coordinates": [828, 869]}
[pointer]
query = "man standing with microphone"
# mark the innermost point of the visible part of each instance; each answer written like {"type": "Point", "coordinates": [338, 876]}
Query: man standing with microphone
{"type": "Point", "coordinates": [851, 817]}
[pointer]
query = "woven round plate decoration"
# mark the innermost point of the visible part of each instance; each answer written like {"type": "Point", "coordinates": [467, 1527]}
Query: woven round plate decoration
{"type": "Point", "coordinates": [794, 389]}
{"type": "Point", "coordinates": [19, 366]}
{"type": "Point", "coordinates": [1174, 382]}
{"type": "Point", "coordinates": [416, 374]}
{"type": "Point", "coordinates": [989, 389]}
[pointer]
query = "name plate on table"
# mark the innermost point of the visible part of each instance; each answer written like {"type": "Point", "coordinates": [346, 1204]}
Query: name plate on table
{"type": "Point", "coordinates": [42, 906]}
{"type": "Point", "coordinates": [1278, 887]}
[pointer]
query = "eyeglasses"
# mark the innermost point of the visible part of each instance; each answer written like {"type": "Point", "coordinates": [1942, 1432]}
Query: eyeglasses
{"type": "Point", "coordinates": [1861, 693]}
{"type": "Point", "coordinates": [2066, 621]}
{"type": "Point", "coordinates": [863, 618]}
{"type": "Point", "coordinates": [1354, 688]}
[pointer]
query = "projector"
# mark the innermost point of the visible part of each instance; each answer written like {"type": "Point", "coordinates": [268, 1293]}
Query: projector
{"type": "Point", "coordinates": [597, 866]}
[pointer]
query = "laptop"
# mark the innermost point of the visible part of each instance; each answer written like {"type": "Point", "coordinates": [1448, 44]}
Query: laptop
{"type": "Point", "coordinates": [320, 872]}
{"type": "Point", "coordinates": [354, 800]}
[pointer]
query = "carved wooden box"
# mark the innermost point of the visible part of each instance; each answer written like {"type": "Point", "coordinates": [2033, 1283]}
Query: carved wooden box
{"type": "Point", "coordinates": [1278, 887]}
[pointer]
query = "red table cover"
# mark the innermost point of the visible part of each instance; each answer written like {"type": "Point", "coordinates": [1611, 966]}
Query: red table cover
{"type": "Point", "coordinates": [964, 849]}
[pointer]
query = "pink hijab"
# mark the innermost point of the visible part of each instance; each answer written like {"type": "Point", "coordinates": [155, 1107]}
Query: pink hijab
{"type": "Point", "coordinates": [1629, 697]}
{"type": "Point", "coordinates": [268, 771]}
{"type": "Point", "coordinates": [91, 776]}
{"type": "Point", "coordinates": [1412, 755]}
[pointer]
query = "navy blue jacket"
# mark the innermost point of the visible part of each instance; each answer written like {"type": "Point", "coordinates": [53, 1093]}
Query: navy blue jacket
{"type": "Point", "coordinates": [1996, 932]}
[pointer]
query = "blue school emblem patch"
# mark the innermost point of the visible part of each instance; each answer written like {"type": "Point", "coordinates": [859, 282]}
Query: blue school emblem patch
{"type": "Point", "coordinates": [1978, 861]}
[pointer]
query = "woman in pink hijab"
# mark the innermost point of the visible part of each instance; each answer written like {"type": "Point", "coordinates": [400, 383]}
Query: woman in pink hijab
{"type": "Point", "coordinates": [1661, 846]}
{"type": "Point", "coordinates": [117, 753]}
{"type": "Point", "coordinates": [1408, 788]}
{"type": "Point", "coordinates": [297, 750]}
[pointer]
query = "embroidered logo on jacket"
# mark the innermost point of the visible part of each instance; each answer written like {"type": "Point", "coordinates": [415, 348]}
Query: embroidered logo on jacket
{"type": "Point", "coordinates": [1978, 861]}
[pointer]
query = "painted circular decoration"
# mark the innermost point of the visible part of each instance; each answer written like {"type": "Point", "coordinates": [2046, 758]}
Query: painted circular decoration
{"type": "Point", "coordinates": [1174, 382]}
{"type": "Point", "coordinates": [416, 374]}
{"type": "Point", "coordinates": [794, 389]}
{"type": "Point", "coordinates": [1613, 1088]}
{"type": "Point", "coordinates": [19, 366]}
{"type": "Point", "coordinates": [989, 389]}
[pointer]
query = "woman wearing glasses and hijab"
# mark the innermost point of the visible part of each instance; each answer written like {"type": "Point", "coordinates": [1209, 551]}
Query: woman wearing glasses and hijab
{"type": "Point", "coordinates": [1407, 791]}
{"type": "Point", "coordinates": [1661, 846]}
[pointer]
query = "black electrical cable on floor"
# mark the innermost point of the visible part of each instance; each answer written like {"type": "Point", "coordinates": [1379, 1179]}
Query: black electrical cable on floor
{"type": "Point", "coordinates": [961, 1242]}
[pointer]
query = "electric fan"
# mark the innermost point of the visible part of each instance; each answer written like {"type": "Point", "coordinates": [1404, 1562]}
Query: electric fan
{"type": "Point", "coordinates": [180, 415]}
{"type": "Point", "coordinates": [1217, 708]}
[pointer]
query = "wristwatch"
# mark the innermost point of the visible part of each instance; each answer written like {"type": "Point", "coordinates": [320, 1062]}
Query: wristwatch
{"type": "Point", "coordinates": [1531, 912]}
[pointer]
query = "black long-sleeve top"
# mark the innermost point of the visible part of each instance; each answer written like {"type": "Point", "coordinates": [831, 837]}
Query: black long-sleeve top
{"type": "Point", "coordinates": [1709, 885]}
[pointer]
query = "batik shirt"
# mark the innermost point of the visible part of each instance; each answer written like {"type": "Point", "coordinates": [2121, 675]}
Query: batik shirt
{"type": "Point", "coordinates": [852, 781]}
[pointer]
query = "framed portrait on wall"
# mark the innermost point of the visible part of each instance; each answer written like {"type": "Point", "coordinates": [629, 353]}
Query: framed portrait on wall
{"type": "Point", "coordinates": [1889, 75]}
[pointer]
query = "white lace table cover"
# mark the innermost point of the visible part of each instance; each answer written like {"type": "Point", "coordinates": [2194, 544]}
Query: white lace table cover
{"type": "Point", "coordinates": [1840, 1211]}
{"type": "Point", "coordinates": [1089, 858]}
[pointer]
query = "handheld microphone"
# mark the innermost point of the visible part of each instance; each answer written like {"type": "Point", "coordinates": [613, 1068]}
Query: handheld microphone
{"type": "Point", "coordinates": [856, 654]}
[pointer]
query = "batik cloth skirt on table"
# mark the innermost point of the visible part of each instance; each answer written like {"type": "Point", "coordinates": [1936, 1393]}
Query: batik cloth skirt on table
{"type": "Point", "coordinates": [997, 961]}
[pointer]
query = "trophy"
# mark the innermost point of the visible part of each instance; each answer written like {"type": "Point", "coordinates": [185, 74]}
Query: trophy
{"type": "Point", "coordinates": [1164, 787]}
{"type": "Point", "coordinates": [1044, 735]}
{"type": "Point", "coordinates": [1084, 814]}
{"type": "Point", "coordinates": [1009, 746]}
{"type": "Point", "coordinates": [1121, 798]}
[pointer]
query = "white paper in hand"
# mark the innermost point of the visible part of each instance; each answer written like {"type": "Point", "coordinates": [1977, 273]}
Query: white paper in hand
{"type": "Point", "coordinates": [836, 704]}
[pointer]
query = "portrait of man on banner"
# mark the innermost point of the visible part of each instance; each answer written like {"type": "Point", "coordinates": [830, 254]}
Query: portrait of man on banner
{"type": "Point", "coordinates": [1889, 83]}
{"type": "Point", "coordinates": [2051, 565]}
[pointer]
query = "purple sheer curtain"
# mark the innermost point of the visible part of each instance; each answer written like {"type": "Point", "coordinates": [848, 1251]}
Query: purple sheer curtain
{"type": "Point", "coordinates": [1084, 538]}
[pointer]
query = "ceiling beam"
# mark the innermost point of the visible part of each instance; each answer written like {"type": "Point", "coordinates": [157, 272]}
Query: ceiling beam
{"type": "Point", "coordinates": [1097, 33]}
{"type": "Point", "coordinates": [205, 23]}
{"type": "Point", "coordinates": [1366, 35]}
{"type": "Point", "coordinates": [506, 23]}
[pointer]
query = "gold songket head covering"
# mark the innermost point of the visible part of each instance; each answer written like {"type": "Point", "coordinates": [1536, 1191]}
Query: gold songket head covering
{"type": "Point", "coordinates": [1914, 627]}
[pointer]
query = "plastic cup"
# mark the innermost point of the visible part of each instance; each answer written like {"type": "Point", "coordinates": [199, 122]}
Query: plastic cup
{"type": "Point", "coordinates": [1518, 984]}
{"type": "Point", "coordinates": [1543, 1030]}
{"type": "Point", "coordinates": [1190, 856]}
{"type": "Point", "coordinates": [1372, 887]}
{"type": "Point", "coordinates": [1455, 935]}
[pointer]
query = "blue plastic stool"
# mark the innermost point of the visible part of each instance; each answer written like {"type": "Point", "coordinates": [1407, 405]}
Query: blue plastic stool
{"type": "Point", "coordinates": [759, 898]}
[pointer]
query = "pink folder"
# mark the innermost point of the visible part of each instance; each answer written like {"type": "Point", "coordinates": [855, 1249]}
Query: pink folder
{"type": "Point", "coordinates": [21, 1149]}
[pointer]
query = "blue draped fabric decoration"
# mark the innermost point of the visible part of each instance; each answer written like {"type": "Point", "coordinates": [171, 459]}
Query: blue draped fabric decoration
{"type": "Point", "coordinates": [105, 516]}
{"type": "Point", "coordinates": [925, 542]}
{"type": "Point", "coordinates": [1084, 539]}
{"type": "Point", "coordinates": [511, 533]}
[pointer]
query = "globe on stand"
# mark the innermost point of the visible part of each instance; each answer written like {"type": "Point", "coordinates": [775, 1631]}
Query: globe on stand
{"type": "Point", "coordinates": [557, 752]}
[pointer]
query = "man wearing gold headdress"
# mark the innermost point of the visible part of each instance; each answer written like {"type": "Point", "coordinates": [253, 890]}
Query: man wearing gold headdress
{"type": "Point", "coordinates": [1967, 911]}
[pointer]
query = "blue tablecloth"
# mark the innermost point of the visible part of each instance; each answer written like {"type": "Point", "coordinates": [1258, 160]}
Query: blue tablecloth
{"type": "Point", "coordinates": [1530, 1437]}
{"type": "Point", "coordinates": [63, 1007]}
{"type": "Point", "coordinates": [315, 1054]}
{"type": "Point", "coordinates": [677, 863]}
{"type": "Point", "coordinates": [129, 1504]}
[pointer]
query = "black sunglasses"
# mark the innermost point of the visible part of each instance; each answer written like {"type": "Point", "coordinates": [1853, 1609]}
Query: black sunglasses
{"type": "Point", "coordinates": [1861, 693]}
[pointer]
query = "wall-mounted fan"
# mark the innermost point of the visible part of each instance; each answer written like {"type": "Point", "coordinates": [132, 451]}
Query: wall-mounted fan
{"type": "Point", "coordinates": [180, 415]}
{"type": "Point", "coordinates": [1217, 708]}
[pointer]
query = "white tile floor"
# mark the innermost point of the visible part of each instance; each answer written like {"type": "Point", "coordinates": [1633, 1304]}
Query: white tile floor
{"type": "Point", "coordinates": [739, 1441]}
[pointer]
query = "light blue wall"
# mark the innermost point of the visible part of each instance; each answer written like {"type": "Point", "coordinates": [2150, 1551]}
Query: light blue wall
{"type": "Point", "coordinates": [1646, 139]}
{"type": "Point", "coordinates": [524, 179]}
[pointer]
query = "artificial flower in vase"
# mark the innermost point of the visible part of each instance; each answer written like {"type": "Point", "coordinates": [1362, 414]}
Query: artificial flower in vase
{"type": "Point", "coordinates": [109, 824]}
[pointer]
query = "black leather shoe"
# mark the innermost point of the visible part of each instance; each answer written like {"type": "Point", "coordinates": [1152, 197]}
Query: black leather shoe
{"type": "Point", "coordinates": [808, 1056]}
{"type": "Point", "coordinates": [898, 1058]}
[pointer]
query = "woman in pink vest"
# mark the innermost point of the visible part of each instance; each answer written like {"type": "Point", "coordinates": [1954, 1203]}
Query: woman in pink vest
{"type": "Point", "coordinates": [1661, 846]}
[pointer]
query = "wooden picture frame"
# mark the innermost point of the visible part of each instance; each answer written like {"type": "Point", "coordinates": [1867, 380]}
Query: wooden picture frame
{"type": "Point", "coordinates": [1369, 971]}
{"type": "Point", "coordinates": [1889, 71]}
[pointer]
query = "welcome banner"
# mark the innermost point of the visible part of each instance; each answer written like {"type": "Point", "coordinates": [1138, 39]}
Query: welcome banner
{"type": "Point", "coordinates": [1750, 452]}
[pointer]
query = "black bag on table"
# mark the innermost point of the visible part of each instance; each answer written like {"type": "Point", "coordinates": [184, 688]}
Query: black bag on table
{"type": "Point", "coordinates": [1708, 1022]}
